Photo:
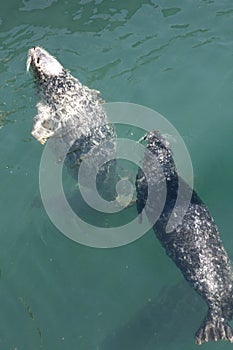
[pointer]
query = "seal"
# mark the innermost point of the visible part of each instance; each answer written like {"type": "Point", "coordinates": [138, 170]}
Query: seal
{"type": "Point", "coordinates": [72, 114]}
{"type": "Point", "coordinates": [194, 244]}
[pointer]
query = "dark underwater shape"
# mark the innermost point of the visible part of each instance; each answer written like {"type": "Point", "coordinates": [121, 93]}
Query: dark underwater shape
{"type": "Point", "coordinates": [194, 245]}
{"type": "Point", "coordinates": [159, 323]}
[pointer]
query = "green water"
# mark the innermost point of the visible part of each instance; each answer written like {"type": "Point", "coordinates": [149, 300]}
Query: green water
{"type": "Point", "coordinates": [173, 56]}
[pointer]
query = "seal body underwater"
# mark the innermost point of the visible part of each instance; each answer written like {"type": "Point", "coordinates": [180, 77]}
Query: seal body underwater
{"type": "Point", "coordinates": [71, 114]}
{"type": "Point", "coordinates": [194, 244]}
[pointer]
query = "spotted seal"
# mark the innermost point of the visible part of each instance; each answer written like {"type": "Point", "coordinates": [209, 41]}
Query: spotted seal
{"type": "Point", "coordinates": [71, 113]}
{"type": "Point", "coordinates": [194, 245]}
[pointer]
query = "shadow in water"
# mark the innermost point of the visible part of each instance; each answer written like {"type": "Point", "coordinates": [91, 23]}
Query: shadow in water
{"type": "Point", "coordinates": [169, 320]}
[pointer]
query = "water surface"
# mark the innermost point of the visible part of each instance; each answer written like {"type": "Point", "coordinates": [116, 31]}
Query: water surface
{"type": "Point", "coordinates": [172, 56]}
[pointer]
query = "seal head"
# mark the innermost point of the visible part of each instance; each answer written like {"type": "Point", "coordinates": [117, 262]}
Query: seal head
{"type": "Point", "coordinates": [42, 63]}
{"type": "Point", "coordinates": [65, 105]}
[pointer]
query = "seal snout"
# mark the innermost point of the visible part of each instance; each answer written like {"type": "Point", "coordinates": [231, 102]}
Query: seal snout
{"type": "Point", "coordinates": [155, 138]}
{"type": "Point", "coordinates": [41, 61]}
{"type": "Point", "coordinates": [29, 61]}
{"type": "Point", "coordinates": [31, 53]}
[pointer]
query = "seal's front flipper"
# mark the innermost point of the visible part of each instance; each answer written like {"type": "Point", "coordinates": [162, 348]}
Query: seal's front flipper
{"type": "Point", "coordinates": [215, 330]}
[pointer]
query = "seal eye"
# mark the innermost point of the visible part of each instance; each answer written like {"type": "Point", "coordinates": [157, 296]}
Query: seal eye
{"type": "Point", "coordinates": [38, 60]}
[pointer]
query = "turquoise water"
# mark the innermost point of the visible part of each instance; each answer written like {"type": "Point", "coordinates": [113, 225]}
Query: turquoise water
{"type": "Point", "coordinates": [172, 56]}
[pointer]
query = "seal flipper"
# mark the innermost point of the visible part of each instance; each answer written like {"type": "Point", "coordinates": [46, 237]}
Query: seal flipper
{"type": "Point", "coordinates": [214, 329]}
